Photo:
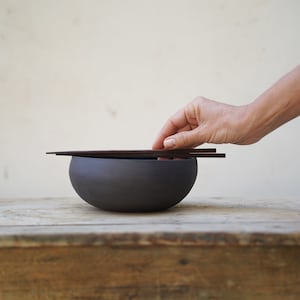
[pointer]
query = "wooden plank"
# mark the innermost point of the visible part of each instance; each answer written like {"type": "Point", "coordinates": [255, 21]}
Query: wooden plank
{"type": "Point", "coordinates": [199, 211]}
{"type": "Point", "coordinates": [87, 272]}
{"type": "Point", "coordinates": [201, 249]}
{"type": "Point", "coordinates": [28, 222]}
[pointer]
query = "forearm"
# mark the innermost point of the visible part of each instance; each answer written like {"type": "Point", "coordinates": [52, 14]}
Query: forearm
{"type": "Point", "coordinates": [276, 106]}
{"type": "Point", "coordinates": [208, 121]}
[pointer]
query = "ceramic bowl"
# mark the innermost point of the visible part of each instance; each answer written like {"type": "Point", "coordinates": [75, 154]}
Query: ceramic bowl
{"type": "Point", "coordinates": [132, 184]}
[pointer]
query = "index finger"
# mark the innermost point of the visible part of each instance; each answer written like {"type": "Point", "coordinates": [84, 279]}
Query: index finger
{"type": "Point", "coordinates": [174, 124]}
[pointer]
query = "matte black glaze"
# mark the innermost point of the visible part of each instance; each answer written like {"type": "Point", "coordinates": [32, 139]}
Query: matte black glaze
{"type": "Point", "coordinates": [132, 185]}
{"type": "Point", "coordinates": [182, 153]}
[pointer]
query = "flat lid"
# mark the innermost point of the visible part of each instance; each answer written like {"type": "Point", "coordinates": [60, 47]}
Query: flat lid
{"type": "Point", "coordinates": [180, 153]}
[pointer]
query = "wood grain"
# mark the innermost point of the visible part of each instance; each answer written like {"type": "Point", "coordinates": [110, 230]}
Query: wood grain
{"type": "Point", "coordinates": [204, 248]}
{"type": "Point", "coordinates": [150, 273]}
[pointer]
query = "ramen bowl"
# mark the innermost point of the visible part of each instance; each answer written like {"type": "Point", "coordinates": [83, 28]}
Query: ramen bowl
{"type": "Point", "coordinates": [132, 184]}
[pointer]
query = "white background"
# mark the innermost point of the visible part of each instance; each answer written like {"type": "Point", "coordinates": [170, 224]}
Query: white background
{"type": "Point", "coordinates": [107, 74]}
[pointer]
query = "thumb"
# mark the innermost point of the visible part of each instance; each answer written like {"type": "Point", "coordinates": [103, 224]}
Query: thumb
{"type": "Point", "coordinates": [184, 139]}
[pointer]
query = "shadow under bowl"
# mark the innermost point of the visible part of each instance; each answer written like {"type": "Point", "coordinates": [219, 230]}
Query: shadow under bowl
{"type": "Point", "coordinates": [133, 184]}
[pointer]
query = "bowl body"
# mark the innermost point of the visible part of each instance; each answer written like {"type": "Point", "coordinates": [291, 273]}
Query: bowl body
{"type": "Point", "coordinates": [132, 185]}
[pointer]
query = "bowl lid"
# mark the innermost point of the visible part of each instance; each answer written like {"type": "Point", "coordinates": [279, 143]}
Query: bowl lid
{"type": "Point", "coordinates": [178, 153]}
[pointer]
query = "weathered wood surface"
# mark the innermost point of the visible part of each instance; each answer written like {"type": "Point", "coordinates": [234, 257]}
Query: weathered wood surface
{"type": "Point", "coordinates": [85, 272]}
{"type": "Point", "coordinates": [202, 249]}
{"type": "Point", "coordinates": [206, 221]}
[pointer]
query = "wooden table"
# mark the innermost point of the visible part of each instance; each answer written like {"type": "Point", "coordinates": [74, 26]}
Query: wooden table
{"type": "Point", "coordinates": [205, 248]}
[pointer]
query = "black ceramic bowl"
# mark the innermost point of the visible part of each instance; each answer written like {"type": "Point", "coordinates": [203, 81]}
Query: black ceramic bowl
{"type": "Point", "coordinates": [133, 184]}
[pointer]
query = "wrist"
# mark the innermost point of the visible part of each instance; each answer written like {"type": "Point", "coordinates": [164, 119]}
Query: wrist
{"type": "Point", "coordinates": [248, 127]}
{"type": "Point", "coordinates": [261, 118]}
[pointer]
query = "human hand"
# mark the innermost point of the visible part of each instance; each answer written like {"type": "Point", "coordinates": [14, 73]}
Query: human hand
{"type": "Point", "coordinates": [208, 121]}
{"type": "Point", "coordinates": [204, 121]}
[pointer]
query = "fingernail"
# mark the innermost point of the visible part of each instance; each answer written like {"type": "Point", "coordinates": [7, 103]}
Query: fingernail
{"type": "Point", "coordinates": [169, 143]}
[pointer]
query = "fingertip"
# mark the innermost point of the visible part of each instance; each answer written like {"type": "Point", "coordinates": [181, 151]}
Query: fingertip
{"type": "Point", "coordinates": [155, 147]}
{"type": "Point", "coordinates": [170, 143]}
{"type": "Point", "coordinates": [158, 144]}
{"type": "Point", "coordinates": [184, 139]}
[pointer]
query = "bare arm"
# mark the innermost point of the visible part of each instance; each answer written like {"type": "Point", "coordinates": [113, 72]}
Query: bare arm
{"type": "Point", "coordinates": [276, 106]}
{"type": "Point", "coordinates": [208, 121]}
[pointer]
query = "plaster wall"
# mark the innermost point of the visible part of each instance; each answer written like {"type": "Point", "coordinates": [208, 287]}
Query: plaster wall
{"type": "Point", "coordinates": [100, 74]}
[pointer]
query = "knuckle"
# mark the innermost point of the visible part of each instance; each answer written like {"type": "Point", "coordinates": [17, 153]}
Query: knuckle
{"type": "Point", "coordinates": [199, 100]}
{"type": "Point", "coordinates": [181, 139]}
{"type": "Point", "coordinates": [186, 140]}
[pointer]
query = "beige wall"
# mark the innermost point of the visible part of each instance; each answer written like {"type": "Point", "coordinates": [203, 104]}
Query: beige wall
{"type": "Point", "coordinates": [106, 75]}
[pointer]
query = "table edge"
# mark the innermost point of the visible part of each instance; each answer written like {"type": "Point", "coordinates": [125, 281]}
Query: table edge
{"type": "Point", "coordinates": [170, 239]}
